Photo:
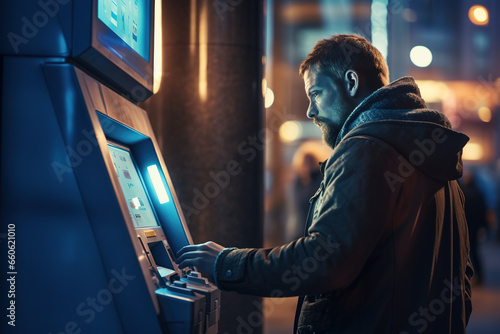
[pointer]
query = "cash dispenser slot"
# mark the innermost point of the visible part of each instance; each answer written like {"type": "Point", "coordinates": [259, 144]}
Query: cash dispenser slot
{"type": "Point", "coordinates": [164, 264]}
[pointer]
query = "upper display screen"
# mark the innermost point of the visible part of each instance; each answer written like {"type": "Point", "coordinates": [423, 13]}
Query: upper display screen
{"type": "Point", "coordinates": [133, 189]}
{"type": "Point", "coordinates": [130, 20]}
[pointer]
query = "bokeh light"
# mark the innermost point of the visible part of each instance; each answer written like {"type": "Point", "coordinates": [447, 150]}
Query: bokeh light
{"type": "Point", "coordinates": [472, 151]}
{"type": "Point", "coordinates": [478, 15]}
{"type": "Point", "coordinates": [409, 15]}
{"type": "Point", "coordinates": [269, 98]}
{"type": "Point", "coordinates": [290, 131]}
{"type": "Point", "coordinates": [379, 26]}
{"type": "Point", "coordinates": [421, 56]}
{"type": "Point", "coordinates": [432, 91]}
{"type": "Point", "coordinates": [484, 114]}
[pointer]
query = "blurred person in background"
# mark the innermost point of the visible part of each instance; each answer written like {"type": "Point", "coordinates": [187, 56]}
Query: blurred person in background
{"type": "Point", "coordinates": [306, 180]}
{"type": "Point", "coordinates": [476, 213]}
{"type": "Point", "coordinates": [386, 247]}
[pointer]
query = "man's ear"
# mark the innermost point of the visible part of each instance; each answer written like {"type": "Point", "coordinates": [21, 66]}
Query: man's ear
{"type": "Point", "coordinates": [352, 82]}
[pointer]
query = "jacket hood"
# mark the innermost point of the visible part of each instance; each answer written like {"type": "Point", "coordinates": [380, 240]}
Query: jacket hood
{"type": "Point", "coordinates": [398, 115]}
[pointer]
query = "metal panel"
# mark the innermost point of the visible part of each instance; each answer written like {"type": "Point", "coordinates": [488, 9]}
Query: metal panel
{"type": "Point", "coordinates": [60, 272]}
{"type": "Point", "coordinates": [103, 200]}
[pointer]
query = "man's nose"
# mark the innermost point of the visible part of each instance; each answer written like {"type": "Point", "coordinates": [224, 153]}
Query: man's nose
{"type": "Point", "coordinates": [311, 111]}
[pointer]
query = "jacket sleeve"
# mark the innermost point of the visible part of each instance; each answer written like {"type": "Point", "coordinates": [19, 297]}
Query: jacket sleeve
{"type": "Point", "coordinates": [351, 216]}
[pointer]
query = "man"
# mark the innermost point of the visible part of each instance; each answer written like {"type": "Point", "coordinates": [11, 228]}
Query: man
{"type": "Point", "coordinates": [386, 248]}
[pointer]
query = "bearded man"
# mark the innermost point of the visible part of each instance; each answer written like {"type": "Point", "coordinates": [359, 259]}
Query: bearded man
{"type": "Point", "coordinates": [386, 248]}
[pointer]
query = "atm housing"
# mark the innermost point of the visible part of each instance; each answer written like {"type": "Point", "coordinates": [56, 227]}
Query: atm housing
{"type": "Point", "coordinates": [67, 104]}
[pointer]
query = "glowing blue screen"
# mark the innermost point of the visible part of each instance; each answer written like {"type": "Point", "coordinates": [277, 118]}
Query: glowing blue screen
{"type": "Point", "coordinates": [130, 20]}
{"type": "Point", "coordinates": [133, 189]}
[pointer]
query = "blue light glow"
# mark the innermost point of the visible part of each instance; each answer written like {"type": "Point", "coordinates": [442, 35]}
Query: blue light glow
{"type": "Point", "coordinates": [161, 192]}
{"type": "Point", "coordinates": [379, 26]}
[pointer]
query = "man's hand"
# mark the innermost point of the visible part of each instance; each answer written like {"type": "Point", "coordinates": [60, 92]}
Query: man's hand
{"type": "Point", "coordinates": [202, 256]}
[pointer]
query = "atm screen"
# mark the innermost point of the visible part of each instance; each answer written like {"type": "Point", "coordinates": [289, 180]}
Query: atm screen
{"type": "Point", "coordinates": [130, 20]}
{"type": "Point", "coordinates": [133, 189]}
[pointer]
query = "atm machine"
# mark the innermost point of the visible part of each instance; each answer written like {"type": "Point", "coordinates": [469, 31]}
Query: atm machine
{"type": "Point", "coordinates": [90, 219]}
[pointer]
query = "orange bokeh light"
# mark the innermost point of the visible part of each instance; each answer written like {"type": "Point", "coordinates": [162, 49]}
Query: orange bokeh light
{"type": "Point", "coordinates": [479, 15]}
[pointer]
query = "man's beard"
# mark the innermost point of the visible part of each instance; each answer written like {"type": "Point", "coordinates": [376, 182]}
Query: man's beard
{"type": "Point", "coordinates": [329, 131]}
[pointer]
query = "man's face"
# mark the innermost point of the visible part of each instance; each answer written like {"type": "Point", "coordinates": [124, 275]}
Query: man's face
{"type": "Point", "coordinates": [329, 103]}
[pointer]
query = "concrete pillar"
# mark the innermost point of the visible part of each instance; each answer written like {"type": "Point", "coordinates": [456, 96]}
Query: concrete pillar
{"type": "Point", "coordinates": [208, 119]}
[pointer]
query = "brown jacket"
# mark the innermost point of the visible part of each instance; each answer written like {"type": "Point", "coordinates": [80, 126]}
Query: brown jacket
{"type": "Point", "coordinates": [386, 249]}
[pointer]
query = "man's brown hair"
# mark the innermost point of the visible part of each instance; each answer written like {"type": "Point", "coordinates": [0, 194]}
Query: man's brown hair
{"type": "Point", "coordinates": [336, 55]}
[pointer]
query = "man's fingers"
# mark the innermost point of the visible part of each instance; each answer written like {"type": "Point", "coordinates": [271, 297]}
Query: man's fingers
{"type": "Point", "coordinates": [189, 255]}
{"type": "Point", "coordinates": [186, 249]}
{"type": "Point", "coordinates": [208, 246]}
{"type": "Point", "coordinates": [189, 262]}
{"type": "Point", "coordinates": [202, 256]}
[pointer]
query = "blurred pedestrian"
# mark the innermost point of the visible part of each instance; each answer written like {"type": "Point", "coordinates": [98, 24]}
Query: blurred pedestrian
{"type": "Point", "coordinates": [306, 180]}
{"type": "Point", "coordinates": [476, 213]}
